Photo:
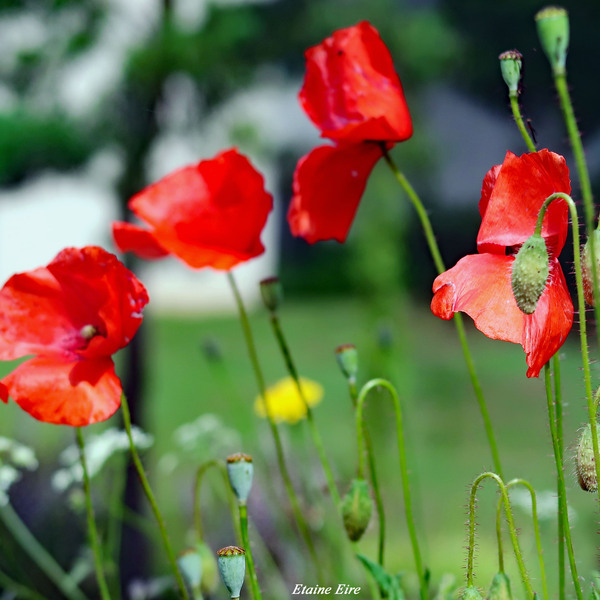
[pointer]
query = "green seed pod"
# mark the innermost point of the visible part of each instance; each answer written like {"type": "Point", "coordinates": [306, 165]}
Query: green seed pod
{"type": "Point", "coordinates": [586, 267]}
{"type": "Point", "coordinates": [511, 62]}
{"type": "Point", "coordinates": [553, 30]}
{"type": "Point", "coordinates": [190, 565]}
{"type": "Point", "coordinates": [500, 588]}
{"type": "Point", "coordinates": [232, 566]}
{"type": "Point", "coordinates": [530, 272]}
{"type": "Point", "coordinates": [210, 577]}
{"type": "Point", "coordinates": [271, 292]}
{"type": "Point", "coordinates": [347, 359]}
{"type": "Point", "coordinates": [584, 461]}
{"type": "Point", "coordinates": [357, 507]}
{"type": "Point", "coordinates": [240, 471]}
{"type": "Point", "coordinates": [471, 593]}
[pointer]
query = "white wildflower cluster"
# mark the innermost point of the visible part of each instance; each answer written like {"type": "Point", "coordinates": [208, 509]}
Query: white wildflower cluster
{"type": "Point", "coordinates": [98, 449]}
{"type": "Point", "coordinates": [14, 457]}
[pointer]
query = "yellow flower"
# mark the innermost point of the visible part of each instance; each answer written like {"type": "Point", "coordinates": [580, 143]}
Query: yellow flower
{"type": "Point", "coordinates": [284, 401]}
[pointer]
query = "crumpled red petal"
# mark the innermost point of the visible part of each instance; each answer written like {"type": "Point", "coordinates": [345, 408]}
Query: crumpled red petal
{"type": "Point", "coordinates": [327, 188]}
{"type": "Point", "coordinates": [479, 285]}
{"type": "Point", "coordinates": [512, 197]}
{"type": "Point", "coordinates": [136, 239]}
{"type": "Point", "coordinates": [351, 90]}
{"type": "Point", "coordinates": [64, 392]}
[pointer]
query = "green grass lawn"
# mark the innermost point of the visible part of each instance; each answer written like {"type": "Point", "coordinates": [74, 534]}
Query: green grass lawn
{"type": "Point", "coordinates": [446, 441]}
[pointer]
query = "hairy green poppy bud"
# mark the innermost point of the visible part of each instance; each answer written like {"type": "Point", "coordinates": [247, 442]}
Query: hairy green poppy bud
{"type": "Point", "coordinates": [587, 267]}
{"type": "Point", "coordinates": [190, 565]}
{"type": "Point", "coordinates": [510, 66]}
{"type": "Point", "coordinates": [553, 30]}
{"type": "Point", "coordinates": [347, 359]}
{"type": "Point", "coordinates": [240, 471]}
{"type": "Point", "coordinates": [232, 566]}
{"type": "Point", "coordinates": [357, 507]}
{"type": "Point", "coordinates": [271, 292]}
{"type": "Point", "coordinates": [471, 593]}
{"type": "Point", "coordinates": [530, 273]}
{"type": "Point", "coordinates": [584, 461]}
{"type": "Point", "coordinates": [209, 569]}
{"type": "Point", "coordinates": [500, 588]}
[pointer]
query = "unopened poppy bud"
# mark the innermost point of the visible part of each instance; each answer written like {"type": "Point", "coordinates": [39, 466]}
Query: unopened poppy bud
{"type": "Point", "coordinates": [500, 588]}
{"type": "Point", "coordinates": [209, 569]}
{"type": "Point", "coordinates": [357, 506]}
{"type": "Point", "coordinates": [471, 593]}
{"type": "Point", "coordinates": [232, 567]}
{"type": "Point", "coordinates": [530, 272]}
{"type": "Point", "coordinates": [240, 471]}
{"type": "Point", "coordinates": [510, 66]}
{"type": "Point", "coordinates": [585, 464]}
{"type": "Point", "coordinates": [190, 565]}
{"type": "Point", "coordinates": [347, 358]}
{"type": "Point", "coordinates": [553, 30]}
{"type": "Point", "coordinates": [271, 292]}
{"type": "Point", "coordinates": [587, 267]}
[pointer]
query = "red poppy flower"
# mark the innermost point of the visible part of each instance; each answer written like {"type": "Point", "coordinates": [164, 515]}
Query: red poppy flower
{"type": "Point", "coordinates": [72, 316]}
{"type": "Point", "coordinates": [208, 215]}
{"type": "Point", "coordinates": [480, 284]}
{"type": "Point", "coordinates": [353, 95]}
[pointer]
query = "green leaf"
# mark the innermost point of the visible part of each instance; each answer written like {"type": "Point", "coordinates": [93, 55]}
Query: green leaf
{"type": "Point", "coordinates": [389, 585]}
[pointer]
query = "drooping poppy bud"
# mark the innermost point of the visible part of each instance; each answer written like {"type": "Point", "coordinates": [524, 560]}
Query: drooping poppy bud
{"type": "Point", "coordinates": [240, 471]}
{"type": "Point", "coordinates": [271, 292]}
{"type": "Point", "coordinates": [471, 593]}
{"type": "Point", "coordinates": [584, 461]}
{"type": "Point", "coordinates": [357, 506]}
{"type": "Point", "coordinates": [347, 359]}
{"type": "Point", "coordinates": [553, 30]}
{"type": "Point", "coordinates": [208, 585]}
{"type": "Point", "coordinates": [510, 66]}
{"type": "Point", "coordinates": [500, 588]}
{"type": "Point", "coordinates": [232, 566]}
{"type": "Point", "coordinates": [587, 268]}
{"type": "Point", "coordinates": [190, 565]}
{"type": "Point", "coordinates": [530, 272]}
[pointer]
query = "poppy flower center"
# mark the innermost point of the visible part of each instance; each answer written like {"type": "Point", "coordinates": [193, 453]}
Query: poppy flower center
{"type": "Point", "coordinates": [87, 332]}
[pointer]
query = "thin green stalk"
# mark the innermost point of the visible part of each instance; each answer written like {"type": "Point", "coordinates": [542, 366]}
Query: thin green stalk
{"type": "Point", "coordinates": [559, 430]}
{"type": "Point", "coordinates": [63, 581]}
{"type": "Point", "coordinates": [91, 522]}
{"type": "Point", "coordinates": [200, 472]}
{"type": "Point", "coordinates": [18, 590]}
{"type": "Point", "coordinates": [310, 418]}
{"type": "Point", "coordinates": [458, 321]}
{"type": "Point", "coordinates": [516, 110]}
{"type": "Point", "coordinates": [115, 524]}
{"type": "Point", "coordinates": [562, 492]}
{"type": "Point", "coordinates": [511, 527]}
{"type": "Point", "coordinates": [254, 587]}
{"type": "Point", "coordinates": [360, 427]}
{"type": "Point", "coordinates": [536, 528]}
{"type": "Point", "coordinates": [150, 495]}
{"type": "Point", "coordinates": [287, 481]}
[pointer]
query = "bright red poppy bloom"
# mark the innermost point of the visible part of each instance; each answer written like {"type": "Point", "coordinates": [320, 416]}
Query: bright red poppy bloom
{"type": "Point", "coordinates": [480, 284]}
{"type": "Point", "coordinates": [353, 95]}
{"type": "Point", "coordinates": [71, 316]}
{"type": "Point", "coordinates": [208, 215]}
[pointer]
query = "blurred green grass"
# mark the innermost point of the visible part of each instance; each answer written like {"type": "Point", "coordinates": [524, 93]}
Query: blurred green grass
{"type": "Point", "coordinates": [447, 444]}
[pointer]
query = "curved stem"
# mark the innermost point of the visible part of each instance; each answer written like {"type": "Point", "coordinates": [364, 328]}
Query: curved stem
{"type": "Point", "coordinates": [360, 426]}
{"type": "Point", "coordinates": [255, 588]}
{"type": "Point", "coordinates": [260, 380]}
{"type": "Point", "coordinates": [562, 492]}
{"type": "Point", "coordinates": [511, 528]}
{"type": "Point", "coordinates": [63, 581]}
{"type": "Point", "coordinates": [439, 265]}
{"type": "Point", "coordinates": [91, 522]}
{"type": "Point", "coordinates": [149, 494]}
{"type": "Point", "coordinates": [318, 442]}
{"type": "Point", "coordinates": [516, 111]}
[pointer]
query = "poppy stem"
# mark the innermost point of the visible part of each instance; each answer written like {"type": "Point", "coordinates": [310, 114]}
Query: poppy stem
{"type": "Point", "coordinates": [91, 522]}
{"type": "Point", "coordinates": [458, 321]}
{"type": "Point", "coordinates": [559, 431]}
{"type": "Point", "coordinates": [360, 428]}
{"type": "Point", "coordinates": [310, 418]}
{"type": "Point", "coordinates": [562, 492]}
{"type": "Point", "coordinates": [149, 494]}
{"type": "Point", "coordinates": [511, 527]}
{"type": "Point", "coordinates": [516, 111]}
{"type": "Point", "coordinates": [260, 380]}
{"type": "Point", "coordinates": [254, 587]}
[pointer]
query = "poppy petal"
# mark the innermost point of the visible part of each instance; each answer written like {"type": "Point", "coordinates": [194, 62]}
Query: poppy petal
{"type": "Point", "coordinates": [140, 241]}
{"type": "Point", "coordinates": [64, 392]}
{"type": "Point", "coordinates": [351, 91]}
{"type": "Point", "coordinates": [328, 185]}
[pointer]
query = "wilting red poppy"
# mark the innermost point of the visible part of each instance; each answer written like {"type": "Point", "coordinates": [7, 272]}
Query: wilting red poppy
{"type": "Point", "coordinates": [480, 284]}
{"type": "Point", "coordinates": [208, 215]}
{"type": "Point", "coordinates": [71, 316]}
{"type": "Point", "coordinates": [353, 95]}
